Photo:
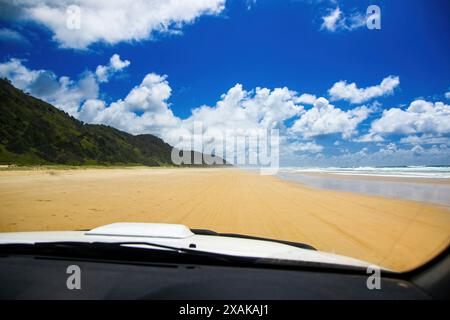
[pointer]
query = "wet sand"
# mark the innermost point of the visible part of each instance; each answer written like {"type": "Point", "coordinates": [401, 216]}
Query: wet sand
{"type": "Point", "coordinates": [430, 190]}
{"type": "Point", "coordinates": [361, 177]}
{"type": "Point", "coordinates": [397, 234]}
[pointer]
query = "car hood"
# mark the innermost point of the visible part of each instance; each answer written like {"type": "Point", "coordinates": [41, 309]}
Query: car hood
{"type": "Point", "coordinates": [180, 236]}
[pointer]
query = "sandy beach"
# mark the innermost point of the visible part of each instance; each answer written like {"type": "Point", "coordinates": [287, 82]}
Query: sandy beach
{"type": "Point", "coordinates": [397, 234]}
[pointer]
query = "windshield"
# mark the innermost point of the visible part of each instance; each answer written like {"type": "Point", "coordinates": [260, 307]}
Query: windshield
{"type": "Point", "coordinates": [318, 124]}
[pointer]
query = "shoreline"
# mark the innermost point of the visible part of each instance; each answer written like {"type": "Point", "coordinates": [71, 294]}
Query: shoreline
{"type": "Point", "coordinates": [376, 229]}
{"type": "Point", "coordinates": [426, 190]}
{"type": "Point", "coordinates": [445, 181]}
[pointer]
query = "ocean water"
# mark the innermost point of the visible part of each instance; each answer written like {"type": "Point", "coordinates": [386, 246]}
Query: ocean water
{"type": "Point", "coordinates": [437, 193]}
{"type": "Point", "coordinates": [438, 172]}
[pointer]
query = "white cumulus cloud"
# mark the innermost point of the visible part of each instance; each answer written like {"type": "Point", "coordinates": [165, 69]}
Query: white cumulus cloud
{"type": "Point", "coordinates": [306, 98]}
{"type": "Point", "coordinates": [149, 98]}
{"type": "Point", "coordinates": [115, 64]}
{"type": "Point", "coordinates": [420, 117]}
{"type": "Point", "coordinates": [238, 110]}
{"type": "Point", "coordinates": [243, 111]}
{"type": "Point", "coordinates": [113, 21]}
{"type": "Point", "coordinates": [324, 118]}
{"type": "Point", "coordinates": [349, 91]}
{"type": "Point", "coordinates": [63, 92]}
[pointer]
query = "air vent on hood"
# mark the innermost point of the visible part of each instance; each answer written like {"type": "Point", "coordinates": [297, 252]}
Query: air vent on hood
{"type": "Point", "coordinates": [137, 229]}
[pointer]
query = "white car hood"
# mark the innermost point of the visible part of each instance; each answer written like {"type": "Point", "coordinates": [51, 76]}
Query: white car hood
{"type": "Point", "coordinates": [181, 237]}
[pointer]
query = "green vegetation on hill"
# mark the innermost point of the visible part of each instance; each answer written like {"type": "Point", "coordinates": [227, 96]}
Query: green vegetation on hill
{"type": "Point", "coordinates": [33, 132]}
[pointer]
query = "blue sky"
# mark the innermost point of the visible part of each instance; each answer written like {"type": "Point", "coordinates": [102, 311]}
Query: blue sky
{"type": "Point", "coordinates": [200, 54]}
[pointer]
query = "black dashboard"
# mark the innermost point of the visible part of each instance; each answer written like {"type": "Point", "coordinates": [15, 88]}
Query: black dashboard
{"type": "Point", "coordinates": [41, 277]}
